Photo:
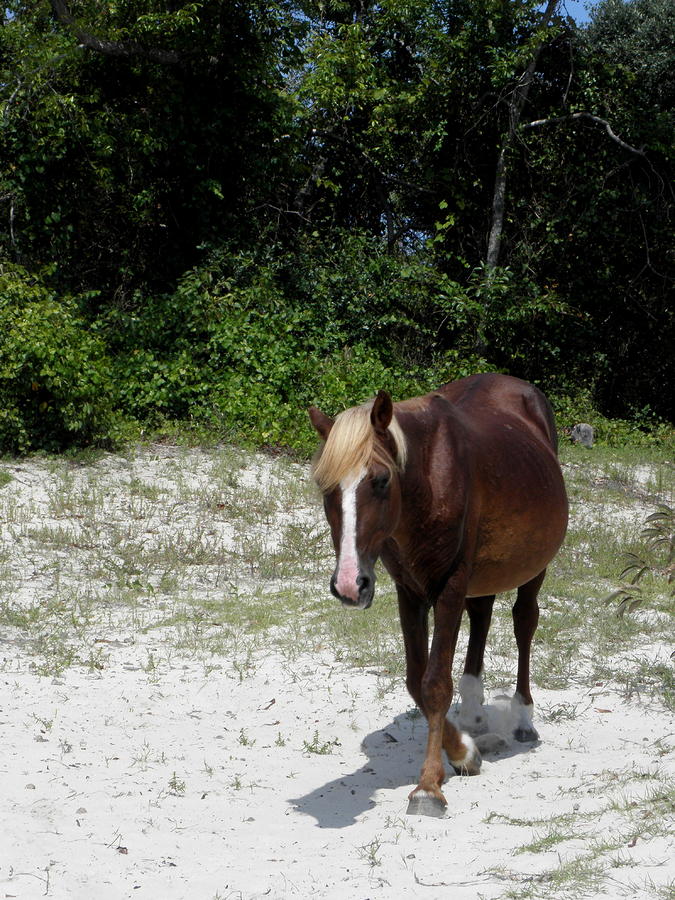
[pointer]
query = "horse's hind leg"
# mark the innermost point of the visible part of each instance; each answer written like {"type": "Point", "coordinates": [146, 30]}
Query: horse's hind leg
{"type": "Point", "coordinates": [525, 619]}
{"type": "Point", "coordinates": [472, 715]}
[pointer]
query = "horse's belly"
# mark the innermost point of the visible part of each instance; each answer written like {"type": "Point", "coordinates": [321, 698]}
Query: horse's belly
{"type": "Point", "coordinates": [511, 556]}
{"type": "Point", "coordinates": [494, 578]}
{"type": "Point", "coordinates": [521, 520]}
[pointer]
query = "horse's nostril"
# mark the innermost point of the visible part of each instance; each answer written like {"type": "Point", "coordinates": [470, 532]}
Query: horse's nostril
{"type": "Point", "coordinates": [363, 582]}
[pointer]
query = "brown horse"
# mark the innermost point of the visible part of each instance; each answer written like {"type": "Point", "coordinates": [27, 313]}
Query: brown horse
{"type": "Point", "coordinates": [461, 495]}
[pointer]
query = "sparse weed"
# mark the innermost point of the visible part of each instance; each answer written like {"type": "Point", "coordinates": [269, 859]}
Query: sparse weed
{"type": "Point", "coordinates": [561, 712]}
{"type": "Point", "coordinates": [245, 740]}
{"type": "Point", "coordinates": [44, 723]}
{"type": "Point", "coordinates": [142, 758]}
{"type": "Point", "coordinates": [655, 560]}
{"type": "Point", "coordinates": [641, 804]}
{"type": "Point", "coordinates": [177, 786]}
{"type": "Point", "coordinates": [321, 748]}
{"type": "Point", "coordinates": [399, 824]}
{"type": "Point", "coordinates": [370, 852]}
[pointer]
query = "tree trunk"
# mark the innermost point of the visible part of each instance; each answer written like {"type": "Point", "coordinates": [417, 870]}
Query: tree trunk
{"type": "Point", "coordinates": [516, 106]}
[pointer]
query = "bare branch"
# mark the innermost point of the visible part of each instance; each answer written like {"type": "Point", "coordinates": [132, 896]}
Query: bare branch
{"type": "Point", "coordinates": [124, 49]}
{"type": "Point", "coordinates": [593, 118]}
{"type": "Point", "coordinates": [570, 76]}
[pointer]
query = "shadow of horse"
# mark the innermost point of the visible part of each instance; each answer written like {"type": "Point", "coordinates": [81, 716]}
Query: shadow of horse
{"type": "Point", "coordinates": [393, 758]}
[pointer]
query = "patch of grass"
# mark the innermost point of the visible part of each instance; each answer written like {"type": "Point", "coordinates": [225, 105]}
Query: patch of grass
{"type": "Point", "coordinates": [177, 785]}
{"type": "Point", "coordinates": [225, 559]}
{"type": "Point", "coordinates": [561, 712]}
{"type": "Point", "coordinates": [641, 677]}
{"type": "Point", "coordinates": [592, 844]}
{"type": "Point", "coordinates": [244, 739]}
{"type": "Point", "coordinates": [579, 877]}
{"type": "Point", "coordinates": [369, 852]}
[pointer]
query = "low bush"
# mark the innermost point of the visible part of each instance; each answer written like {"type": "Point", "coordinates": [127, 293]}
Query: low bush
{"type": "Point", "coordinates": [577, 405]}
{"type": "Point", "coordinates": [55, 376]}
{"type": "Point", "coordinates": [246, 342]}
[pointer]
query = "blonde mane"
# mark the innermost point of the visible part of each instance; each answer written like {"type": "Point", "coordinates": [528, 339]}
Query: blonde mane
{"type": "Point", "coordinates": [351, 447]}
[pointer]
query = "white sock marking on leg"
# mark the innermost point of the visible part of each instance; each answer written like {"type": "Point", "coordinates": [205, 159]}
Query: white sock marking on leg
{"type": "Point", "coordinates": [471, 712]}
{"type": "Point", "coordinates": [522, 714]}
{"type": "Point", "coordinates": [471, 751]}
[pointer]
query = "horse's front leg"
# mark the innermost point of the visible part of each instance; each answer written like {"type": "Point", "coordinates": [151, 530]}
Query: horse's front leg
{"type": "Point", "coordinates": [436, 695]}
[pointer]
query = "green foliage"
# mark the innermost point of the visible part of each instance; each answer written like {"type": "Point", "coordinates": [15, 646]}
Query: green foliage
{"type": "Point", "coordinates": [593, 217]}
{"type": "Point", "coordinates": [659, 537]}
{"type": "Point", "coordinates": [240, 209]}
{"type": "Point", "coordinates": [572, 405]}
{"type": "Point", "coordinates": [55, 378]}
{"type": "Point", "coordinates": [117, 164]}
{"type": "Point", "coordinates": [655, 560]}
{"type": "Point", "coordinates": [247, 343]}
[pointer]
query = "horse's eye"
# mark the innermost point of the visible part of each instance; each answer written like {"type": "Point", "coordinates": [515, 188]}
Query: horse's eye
{"type": "Point", "coordinates": [381, 485]}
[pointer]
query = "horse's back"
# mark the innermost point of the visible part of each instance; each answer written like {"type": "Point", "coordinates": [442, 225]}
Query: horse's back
{"type": "Point", "coordinates": [485, 396]}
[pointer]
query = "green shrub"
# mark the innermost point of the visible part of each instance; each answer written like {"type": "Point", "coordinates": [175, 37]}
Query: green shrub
{"type": "Point", "coordinates": [54, 374]}
{"type": "Point", "coordinates": [578, 406]}
{"type": "Point", "coordinates": [247, 343]}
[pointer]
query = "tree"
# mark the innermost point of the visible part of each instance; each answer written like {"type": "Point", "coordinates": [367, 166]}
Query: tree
{"type": "Point", "coordinates": [592, 207]}
{"type": "Point", "coordinates": [130, 138]}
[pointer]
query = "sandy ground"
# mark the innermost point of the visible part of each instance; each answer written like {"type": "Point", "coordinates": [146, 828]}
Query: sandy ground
{"type": "Point", "coordinates": [185, 782]}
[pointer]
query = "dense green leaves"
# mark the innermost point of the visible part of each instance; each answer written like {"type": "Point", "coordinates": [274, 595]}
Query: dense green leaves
{"type": "Point", "coordinates": [55, 378]}
{"type": "Point", "coordinates": [119, 165]}
{"type": "Point", "coordinates": [227, 211]}
{"type": "Point", "coordinates": [248, 342]}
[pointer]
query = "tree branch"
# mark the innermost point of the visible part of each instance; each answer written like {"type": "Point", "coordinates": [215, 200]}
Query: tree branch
{"type": "Point", "coordinates": [593, 118]}
{"type": "Point", "coordinates": [123, 49]}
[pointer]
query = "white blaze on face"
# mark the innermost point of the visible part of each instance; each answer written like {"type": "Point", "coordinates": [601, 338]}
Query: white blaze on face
{"type": "Point", "coordinates": [348, 561]}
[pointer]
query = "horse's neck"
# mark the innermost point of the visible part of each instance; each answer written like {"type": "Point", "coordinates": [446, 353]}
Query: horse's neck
{"type": "Point", "coordinates": [435, 481]}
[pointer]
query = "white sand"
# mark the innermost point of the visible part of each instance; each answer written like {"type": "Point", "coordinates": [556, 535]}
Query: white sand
{"type": "Point", "coordinates": [185, 782]}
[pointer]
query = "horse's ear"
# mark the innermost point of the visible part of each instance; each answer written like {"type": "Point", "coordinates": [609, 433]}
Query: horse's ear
{"type": "Point", "coordinates": [320, 421]}
{"type": "Point", "coordinates": [382, 412]}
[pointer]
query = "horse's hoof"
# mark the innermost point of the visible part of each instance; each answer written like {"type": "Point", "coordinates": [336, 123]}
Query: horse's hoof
{"type": "Point", "coordinates": [525, 735]}
{"type": "Point", "coordinates": [470, 766]}
{"type": "Point", "coordinates": [422, 803]}
{"type": "Point", "coordinates": [491, 743]}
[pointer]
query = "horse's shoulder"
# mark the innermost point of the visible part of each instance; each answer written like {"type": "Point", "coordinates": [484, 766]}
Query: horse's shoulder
{"type": "Point", "coordinates": [427, 412]}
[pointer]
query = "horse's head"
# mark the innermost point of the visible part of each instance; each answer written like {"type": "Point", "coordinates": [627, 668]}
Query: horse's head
{"type": "Point", "coordinates": [358, 470]}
